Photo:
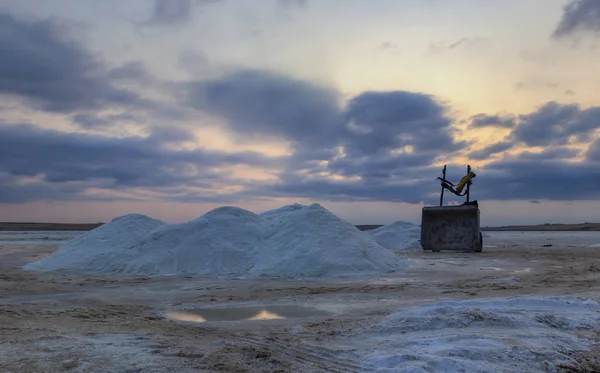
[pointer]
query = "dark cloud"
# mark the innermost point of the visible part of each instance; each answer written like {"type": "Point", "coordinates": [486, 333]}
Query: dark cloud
{"type": "Point", "coordinates": [93, 121]}
{"type": "Point", "coordinates": [375, 136]}
{"type": "Point", "coordinates": [381, 122]}
{"type": "Point", "coordinates": [256, 102]}
{"type": "Point", "coordinates": [383, 141]}
{"type": "Point", "coordinates": [483, 120]}
{"type": "Point", "coordinates": [310, 116]}
{"type": "Point", "coordinates": [593, 151]}
{"type": "Point", "coordinates": [375, 146]}
{"type": "Point", "coordinates": [171, 135]}
{"type": "Point", "coordinates": [53, 72]}
{"type": "Point", "coordinates": [579, 16]}
{"type": "Point", "coordinates": [174, 12]}
{"type": "Point", "coordinates": [14, 191]}
{"type": "Point", "coordinates": [130, 72]}
{"type": "Point", "coordinates": [414, 186]}
{"type": "Point", "coordinates": [491, 150]}
{"type": "Point", "coordinates": [554, 124]}
{"type": "Point", "coordinates": [76, 162]}
{"type": "Point", "coordinates": [518, 178]}
{"type": "Point", "coordinates": [535, 202]}
{"type": "Point", "coordinates": [525, 179]}
{"type": "Point", "coordinates": [551, 153]}
{"type": "Point", "coordinates": [171, 12]}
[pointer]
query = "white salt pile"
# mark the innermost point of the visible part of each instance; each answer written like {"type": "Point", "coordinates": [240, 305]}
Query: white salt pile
{"type": "Point", "coordinates": [518, 334]}
{"type": "Point", "coordinates": [223, 241]}
{"type": "Point", "coordinates": [292, 241]}
{"type": "Point", "coordinates": [398, 236]}
{"type": "Point", "coordinates": [311, 241]}
{"type": "Point", "coordinates": [108, 239]}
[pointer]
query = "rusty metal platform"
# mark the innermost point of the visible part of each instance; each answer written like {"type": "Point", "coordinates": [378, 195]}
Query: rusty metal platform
{"type": "Point", "coordinates": [454, 228]}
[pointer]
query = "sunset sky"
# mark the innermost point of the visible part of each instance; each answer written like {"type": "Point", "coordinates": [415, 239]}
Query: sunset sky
{"type": "Point", "coordinates": [173, 107]}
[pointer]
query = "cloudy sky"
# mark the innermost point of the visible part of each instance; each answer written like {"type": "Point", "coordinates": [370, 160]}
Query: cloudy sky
{"type": "Point", "coordinates": [173, 107]}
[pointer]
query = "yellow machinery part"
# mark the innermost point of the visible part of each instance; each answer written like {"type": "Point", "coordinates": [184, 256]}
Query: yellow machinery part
{"type": "Point", "coordinates": [464, 181]}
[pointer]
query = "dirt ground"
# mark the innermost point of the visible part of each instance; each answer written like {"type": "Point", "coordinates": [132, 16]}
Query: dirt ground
{"type": "Point", "coordinates": [69, 323]}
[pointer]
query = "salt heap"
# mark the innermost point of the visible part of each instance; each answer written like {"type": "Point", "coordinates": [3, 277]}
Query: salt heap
{"type": "Point", "coordinates": [225, 240]}
{"type": "Point", "coordinates": [292, 241]}
{"type": "Point", "coordinates": [398, 236]}
{"type": "Point", "coordinates": [310, 241]}
{"type": "Point", "coordinates": [516, 334]}
{"type": "Point", "coordinates": [84, 252]}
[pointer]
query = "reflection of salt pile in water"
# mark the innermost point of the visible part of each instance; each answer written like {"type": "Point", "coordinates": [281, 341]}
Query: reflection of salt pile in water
{"type": "Point", "coordinates": [398, 236]}
{"type": "Point", "coordinates": [106, 240]}
{"type": "Point", "coordinates": [291, 241]}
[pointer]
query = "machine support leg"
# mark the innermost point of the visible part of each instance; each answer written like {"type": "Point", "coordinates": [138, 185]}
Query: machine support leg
{"type": "Point", "coordinates": [442, 193]}
{"type": "Point", "coordinates": [468, 184]}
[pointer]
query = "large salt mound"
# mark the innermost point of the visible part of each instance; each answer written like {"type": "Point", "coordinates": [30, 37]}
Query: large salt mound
{"type": "Point", "coordinates": [276, 217]}
{"type": "Point", "coordinates": [292, 241]}
{"type": "Point", "coordinates": [223, 241]}
{"type": "Point", "coordinates": [310, 241]}
{"type": "Point", "coordinates": [398, 236]}
{"type": "Point", "coordinates": [109, 239]}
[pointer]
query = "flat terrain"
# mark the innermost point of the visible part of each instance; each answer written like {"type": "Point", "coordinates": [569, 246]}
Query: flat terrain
{"type": "Point", "coordinates": [8, 226]}
{"type": "Point", "coordinates": [548, 227]}
{"type": "Point", "coordinates": [70, 323]}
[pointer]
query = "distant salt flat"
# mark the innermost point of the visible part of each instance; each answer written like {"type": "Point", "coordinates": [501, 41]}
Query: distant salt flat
{"type": "Point", "coordinates": [37, 237]}
{"type": "Point", "coordinates": [539, 239]}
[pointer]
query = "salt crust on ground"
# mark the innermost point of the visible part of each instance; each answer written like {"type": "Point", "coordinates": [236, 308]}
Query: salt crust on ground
{"type": "Point", "coordinates": [292, 241]}
{"type": "Point", "coordinates": [517, 334]}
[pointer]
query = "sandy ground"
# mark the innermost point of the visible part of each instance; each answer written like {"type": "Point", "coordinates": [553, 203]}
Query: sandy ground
{"type": "Point", "coordinates": [68, 323]}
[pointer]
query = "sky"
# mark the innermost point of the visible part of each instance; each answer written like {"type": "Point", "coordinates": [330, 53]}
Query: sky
{"type": "Point", "coordinates": [171, 108]}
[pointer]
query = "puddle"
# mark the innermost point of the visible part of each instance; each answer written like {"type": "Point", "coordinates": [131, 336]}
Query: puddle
{"type": "Point", "coordinates": [245, 313]}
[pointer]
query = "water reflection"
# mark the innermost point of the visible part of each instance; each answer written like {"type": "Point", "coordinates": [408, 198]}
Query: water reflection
{"type": "Point", "coordinates": [201, 315]}
{"type": "Point", "coordinates": [266, 315]}
{"type": "Point", "coordinates": [185, 316]}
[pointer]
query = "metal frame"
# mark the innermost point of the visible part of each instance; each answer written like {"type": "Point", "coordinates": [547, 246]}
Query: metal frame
{"type": "Point", "coordinates": [468, 190]}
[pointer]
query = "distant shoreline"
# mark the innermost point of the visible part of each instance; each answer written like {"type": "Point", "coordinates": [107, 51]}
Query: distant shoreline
{"type": "Point", "coordinates": [583, 227]}
{"type": "Point", "coordinates": [6, 226]}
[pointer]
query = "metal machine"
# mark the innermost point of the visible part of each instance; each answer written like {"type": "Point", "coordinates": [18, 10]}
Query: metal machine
{"type": "Point", "coordinates": [452, 227]}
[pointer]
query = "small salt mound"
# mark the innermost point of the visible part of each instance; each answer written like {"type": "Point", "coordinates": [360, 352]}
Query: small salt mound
{"type": "Point", "coordinates": [310, 241]}
{"type": "Point", "coordinates": [398, 236]}
{"type": "Point", "coordinates": [111, 238]}
{"type": "Point", "coordinates": [517, 334]}
{"type": "Point", "coordinates": [222, 241]}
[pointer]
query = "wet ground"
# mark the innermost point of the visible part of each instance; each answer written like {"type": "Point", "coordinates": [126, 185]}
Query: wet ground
{"type": "Point", "coordinates": [71, 323]}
